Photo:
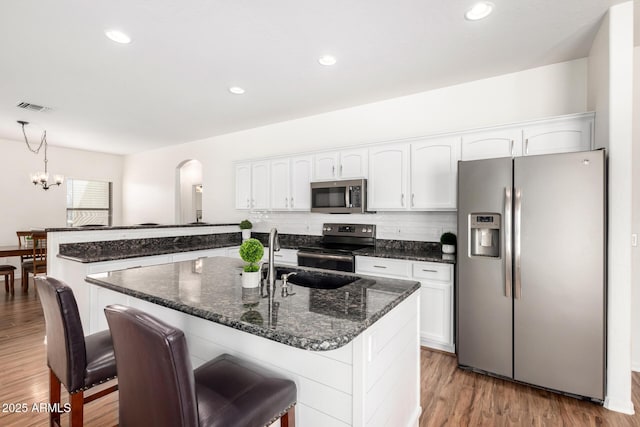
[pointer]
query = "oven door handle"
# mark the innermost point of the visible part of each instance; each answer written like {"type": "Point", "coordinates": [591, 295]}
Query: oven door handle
{"type": "Point", "coordinates": [325, 256]}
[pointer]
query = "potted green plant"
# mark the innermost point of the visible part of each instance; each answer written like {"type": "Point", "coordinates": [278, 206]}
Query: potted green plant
{"type": "Point", "coordinates": [448, 241]}
{"type": "Point", "coordinates": [245, 227]}
{"type": "Point", "coordinates": [251, 251]}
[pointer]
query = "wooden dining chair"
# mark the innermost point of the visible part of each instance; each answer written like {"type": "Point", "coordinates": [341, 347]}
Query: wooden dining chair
{"type": "Point", "coordinates": [38, 262]}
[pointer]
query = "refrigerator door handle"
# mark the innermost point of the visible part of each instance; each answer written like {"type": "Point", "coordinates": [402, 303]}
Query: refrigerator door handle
{"type": "Point", "coordinates": [516, 242]}
{"type": "Point", "coordinates": [508, 260]}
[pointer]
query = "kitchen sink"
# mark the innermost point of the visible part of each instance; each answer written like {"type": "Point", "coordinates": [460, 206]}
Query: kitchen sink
{"type": "Point", "coordinates": [314, 279]}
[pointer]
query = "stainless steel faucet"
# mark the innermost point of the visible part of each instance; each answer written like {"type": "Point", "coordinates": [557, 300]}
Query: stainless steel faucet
{"type": "Point", "coordinates": [274, 246]}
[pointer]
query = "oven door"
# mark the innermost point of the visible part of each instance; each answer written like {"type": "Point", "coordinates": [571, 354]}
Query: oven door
{"type": "Point", "coordinates": [336, 262]}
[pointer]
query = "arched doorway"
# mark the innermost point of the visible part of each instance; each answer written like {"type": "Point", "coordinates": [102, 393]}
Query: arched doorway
{"type": "Point", "coordinates": [188, 192]}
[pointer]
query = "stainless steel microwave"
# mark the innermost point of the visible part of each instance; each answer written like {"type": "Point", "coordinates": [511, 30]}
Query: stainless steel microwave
{"type": "Point", "coordinates": [349, 196]}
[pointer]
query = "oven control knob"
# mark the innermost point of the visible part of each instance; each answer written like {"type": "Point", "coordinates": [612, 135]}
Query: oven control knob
{"type": "Point", "coordinates": [327, 229]}
{"type": "Point", "coordinates": [364, 230]}
{"type": "Point", "coordinates": [369, 230]}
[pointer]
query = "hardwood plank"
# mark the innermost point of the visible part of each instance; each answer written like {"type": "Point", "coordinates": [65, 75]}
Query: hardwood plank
{"type": "Point", "coordinates": [449, 396]}
{"type": "Point", "coordinates": [455, 397]}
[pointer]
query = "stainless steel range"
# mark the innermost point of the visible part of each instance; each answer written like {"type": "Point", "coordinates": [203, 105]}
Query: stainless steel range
{"type": "Point", "coordinates": [339, 241]}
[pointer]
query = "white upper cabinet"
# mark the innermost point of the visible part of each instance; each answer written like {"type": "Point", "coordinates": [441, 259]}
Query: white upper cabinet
{"type": "Point", "coordinates": [243, 185]}
{"type": "Point", "coordinates": [260, 184]}
{"type": "Point", "coordinates": [290, 178]}
{"type": "Point", "coordinates": [434, 173]}
{"type": "Point", "coordinates": [559, 136]}
{"type": "Point", "coordinates": [252, 185]}
{"type": "Point", "coordinates": [388, 176]}
{"type": "Point", "coordinates": [344, 164]}
{"type": "Point", "coordinates": [280, 183]}
{"type": "Point", "coordinates": [556, 135]}
{"type": "Point", "coordinates": [492, 143]}
{"type": "Point", "coordinates": [300, 189]}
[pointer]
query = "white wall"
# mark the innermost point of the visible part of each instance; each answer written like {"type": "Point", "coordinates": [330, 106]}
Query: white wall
{"type": "Point", "coordinates": [542, 92]}
{"type": "Point", "coordinates": [635, 220]}
{"type": "Point", "coordinates": [611, 91]}
{"type": "Point", "coordinates": [24, 206]}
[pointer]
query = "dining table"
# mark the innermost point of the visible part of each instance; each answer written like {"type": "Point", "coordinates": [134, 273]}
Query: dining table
{"type": "Point", "coordinates": [15, 250]}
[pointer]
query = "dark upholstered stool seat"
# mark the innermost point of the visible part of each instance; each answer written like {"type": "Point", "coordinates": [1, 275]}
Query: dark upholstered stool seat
{"type": "Point", "coordinates": [159, 388]}
{"type": "Point", "coordinates": [232, 391]}
{"type": "Point", "coordinates": [8, 271]}
{"type": "Point", "coordinates": [74, 360]}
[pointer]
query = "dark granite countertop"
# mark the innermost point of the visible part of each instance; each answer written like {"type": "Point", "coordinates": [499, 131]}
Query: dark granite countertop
{"type": "Point", "coordinates": [312, 319]}
{"type": "Point", "coordinates": [110, 250]}
{"type": "Point", "coordinates": [135, 227]}
{"type": "Point", "coordinates": [408, 250]}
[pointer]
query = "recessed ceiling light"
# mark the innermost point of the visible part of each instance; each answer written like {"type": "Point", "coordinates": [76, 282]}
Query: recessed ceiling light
{"type": "Point", "coordinates": [118, 36]}
{"type": "Point", "coordinates": [236, 90]}
{"type": "Point", "coordinates": [327, 60]}
{"type": "Point", "coordinates": [479, 10]}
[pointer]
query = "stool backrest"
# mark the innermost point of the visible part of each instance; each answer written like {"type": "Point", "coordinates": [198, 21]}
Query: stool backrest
{"type": "Point", "coordinates": [66, 351]}
{"type": "Point", "coordinates": [155, 376]}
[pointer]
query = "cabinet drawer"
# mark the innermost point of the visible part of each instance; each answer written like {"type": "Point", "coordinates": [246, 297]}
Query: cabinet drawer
{"type": "Point", "coordinates": [383, 266]}
{"type": "Point", "coordinates": [433, 271]}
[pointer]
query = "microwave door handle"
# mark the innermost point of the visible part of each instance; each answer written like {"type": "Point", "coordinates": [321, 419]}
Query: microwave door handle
{"type": "Point", "coordinates": [347, 197]}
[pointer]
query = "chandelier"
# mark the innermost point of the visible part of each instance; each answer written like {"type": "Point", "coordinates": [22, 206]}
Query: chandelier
{"type": "Point", "coordinates": [41, 178]}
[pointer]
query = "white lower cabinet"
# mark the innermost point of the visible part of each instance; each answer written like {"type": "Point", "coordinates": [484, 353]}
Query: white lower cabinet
{"type": "Point", "coordinates": [436, 298]}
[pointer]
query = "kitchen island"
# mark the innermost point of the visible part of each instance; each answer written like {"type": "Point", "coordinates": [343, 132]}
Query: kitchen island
{"type": "Point", "coordinates": [353, 351]}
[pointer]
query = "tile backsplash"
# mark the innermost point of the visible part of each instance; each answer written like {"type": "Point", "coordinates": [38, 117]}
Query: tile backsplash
{"type": "Point", "coordinates": [418, 226]}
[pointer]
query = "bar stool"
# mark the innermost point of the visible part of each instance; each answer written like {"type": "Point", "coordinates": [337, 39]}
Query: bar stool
{"type": "Point", "coordinates": [74, 360]}
{"type": "Point", "coordinates": [159, 388]}
{"type": "Point", "coordinates": [9, 277]}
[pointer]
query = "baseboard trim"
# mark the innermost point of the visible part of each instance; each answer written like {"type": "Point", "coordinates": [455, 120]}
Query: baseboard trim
{"type": "Point", "coordinates": [449, 348]}
{"type": "Point", "coordinates": [635, 367]}
{"type": "Point", "coordinates": [623, 406]}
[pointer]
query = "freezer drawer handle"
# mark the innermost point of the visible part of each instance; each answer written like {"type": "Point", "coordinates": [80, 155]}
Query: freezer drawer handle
{"type": "Point", "coordinates": [508, 269]}
{"type": "Point", "coordinates": [430, 271]}
{"type": "Point", "coordinates": [380, 266]}
{"type": "Point", "coordinates": [516, 242]}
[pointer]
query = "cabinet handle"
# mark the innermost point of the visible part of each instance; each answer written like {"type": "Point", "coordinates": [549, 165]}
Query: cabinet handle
{"type": "Point", "coordinates": [511, 149]}
{"type": "Point", "coordinates": [380, 266]}
{"type": "Point", "coordinates": [248, 203]}
{"type": "Point", "coordinates": [413, 199]}
{"type": "Point", "coordinates": [286, 202]}
{"type": "Point", "coordinates": [292, 202]}
{"type": "Point", "coordinates": [402, 199]}
{"type": "Point", "coordinates": [278, 256]}
{"type": "Point", "coordinates": [333, 170]}
{"type": "Point", "coordinates": [340, 168]}
{"type": "Point", "coordinates": [526, 146]}
{"type": "Point", "coordinates": [429, 271]}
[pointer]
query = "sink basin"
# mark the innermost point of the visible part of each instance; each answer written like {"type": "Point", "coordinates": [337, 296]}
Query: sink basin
{"type": "Point", "coordinates": [314, 279]}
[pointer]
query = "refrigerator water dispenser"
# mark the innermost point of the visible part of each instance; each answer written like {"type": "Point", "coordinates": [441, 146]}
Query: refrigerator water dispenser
{"type": "Point", "coordinates": [484, 233]}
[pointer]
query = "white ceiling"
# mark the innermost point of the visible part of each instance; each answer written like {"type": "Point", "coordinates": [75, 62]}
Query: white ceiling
{"type": "Point", "coordinates": [170, 85]}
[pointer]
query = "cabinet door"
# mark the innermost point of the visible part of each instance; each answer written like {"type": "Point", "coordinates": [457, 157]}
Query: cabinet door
{"type": "Point", "coordinates": [260, 184]}
{"type": "Point", "coordinates": [300, 194]}
{"type": "Point", "coordinates": [436, 314]}
{"type": "Point", "coordinates": [559, 136]}
{"type": "Point", "coordinates": [489, 144]}
{"type": "Point", "coordinates": [388, 176]}
{"type": "Point", "coordinates": [243, 186]}
{"type": "Point", "coordinates": [353, 163]}
{"type": "Point", "coordinates": [280, 198]}
{"type": "Point", "coordinates": [325, 166]}
{"type": "Point", "coordinates": [434, 170]}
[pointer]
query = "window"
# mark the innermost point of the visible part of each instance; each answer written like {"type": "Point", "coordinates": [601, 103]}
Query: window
{"type": "Point", "coordinates": [89, 203]}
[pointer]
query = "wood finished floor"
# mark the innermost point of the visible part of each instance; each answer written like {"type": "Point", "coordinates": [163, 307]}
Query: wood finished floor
{"type": "Point", "coordinates": [450, 396]}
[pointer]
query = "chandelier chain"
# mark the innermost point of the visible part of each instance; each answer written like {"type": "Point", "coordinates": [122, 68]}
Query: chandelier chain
{"type": "Point", "coordinates": [42, 141]}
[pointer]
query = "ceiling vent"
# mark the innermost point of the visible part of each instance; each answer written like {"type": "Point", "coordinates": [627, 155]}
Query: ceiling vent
{"type": "Point", "coordinates": [32, 107]}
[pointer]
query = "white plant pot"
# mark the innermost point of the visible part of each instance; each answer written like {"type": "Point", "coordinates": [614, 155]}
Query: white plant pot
{"type": "Point", "coordinates": [246, 234]}
{"type": "Point", "coordinates": [251, 279]}
{"type": "Point", "coordinates": [448, 249]}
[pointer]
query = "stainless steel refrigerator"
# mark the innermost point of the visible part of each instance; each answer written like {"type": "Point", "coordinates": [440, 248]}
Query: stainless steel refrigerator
{"type": "Point", "coordinates": [531, 294]}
